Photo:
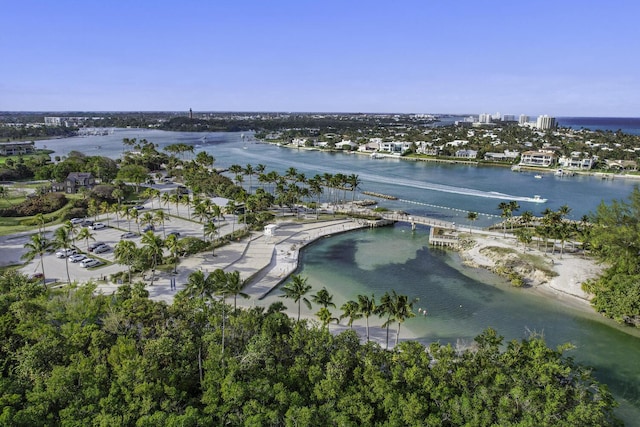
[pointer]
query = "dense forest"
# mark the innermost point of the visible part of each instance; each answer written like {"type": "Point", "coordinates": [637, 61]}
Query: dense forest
{"type": "Point", "coordinates": [70, 357]}
{"type": "Point", "coordinates": [615, 239]}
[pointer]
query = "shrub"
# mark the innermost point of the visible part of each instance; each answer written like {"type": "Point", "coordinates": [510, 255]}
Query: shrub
{"type": "Point", "coordinates": [41, 203]}
{"type": "Point", "coordinates": [193, 245]}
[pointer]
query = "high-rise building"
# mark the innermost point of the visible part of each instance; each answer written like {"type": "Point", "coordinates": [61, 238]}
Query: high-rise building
{"type": "Point", "coordinates": [484, 118]}
{"type": "Point", "coordinates": [523, 119]}
{"type": "Point", "coordinates": [545, 122]}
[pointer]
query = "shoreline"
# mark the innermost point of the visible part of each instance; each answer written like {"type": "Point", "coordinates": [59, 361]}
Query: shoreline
{"type": "Point", "coordinates": [570, 270]}
{"type": "Point", "coordinates": [594, 173]}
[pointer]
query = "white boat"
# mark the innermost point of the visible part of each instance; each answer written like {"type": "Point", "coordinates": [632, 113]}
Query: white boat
{"type": "Point", "coordinates": [376, 155]}
{"type": "Point", "coordinates": [559, 172]}
{"type": "Point", "coordinates": [538, 199]}
{"type": "Point", "coordinates": [515, 168]}
{"type": "Point", "coordinates": [537, 176]}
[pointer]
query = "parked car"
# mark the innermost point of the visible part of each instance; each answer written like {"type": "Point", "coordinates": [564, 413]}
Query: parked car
{"type": "Point", "coordinates": [63, 253]}
{"type": "Point", "coordinates": [36, 276]}
{"type": "Point", "coordinates": [77, 220]}
{"type": "Point", "coordinates": [101, 249]}
{"type": "Point", "coordinates": [149, 227]}
{"type": "Point", "coordinates": [87, 223]}
{"type": "Point", "coordinates": [98, 226]}
{"type": "Point", "coordinates": [94, 245]}
{"type": "Point", "coordinates": [128, 235]}
{"type": "Point", "coordinates": [174, 233]}
{"type": "Point", "coordinates": [90, 262]}
{"type": "Point", "coordinates": [138, 208]}
{"type": "Point", "coordinates": [77, 258]}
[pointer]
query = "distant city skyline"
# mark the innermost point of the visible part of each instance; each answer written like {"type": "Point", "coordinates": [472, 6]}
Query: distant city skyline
{"type": "Point", "coordinates": [561, 59]}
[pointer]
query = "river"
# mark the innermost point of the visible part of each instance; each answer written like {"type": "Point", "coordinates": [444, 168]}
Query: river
{"type": "Point", "coordinates": [461, 301]}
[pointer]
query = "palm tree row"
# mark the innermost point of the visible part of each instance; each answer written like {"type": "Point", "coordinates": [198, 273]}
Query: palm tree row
{"type": "Point", "coordinates": [392, 307]}
{"type": "Point", "coordinates": [552, 225]}
{"type": "Point", "coordinates": [294, 186]}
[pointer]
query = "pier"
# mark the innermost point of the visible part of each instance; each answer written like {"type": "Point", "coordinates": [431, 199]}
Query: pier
{"type": "Point", "coordinates": [441, 233]}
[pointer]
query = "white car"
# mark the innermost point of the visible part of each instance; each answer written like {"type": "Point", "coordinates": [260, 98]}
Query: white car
{"type": "Point", "coordinates": [90, 262]}
{"type": "Point", "coordinates": [77, 258]}
{"type": "Point", "coordinates": [98, 226]}
{"type": "Point", "coordinates": [63, 253]}
{"type": "Point", "coordinates": [102, 248]}
{"type": "Point", "coordinates": [77, 220]}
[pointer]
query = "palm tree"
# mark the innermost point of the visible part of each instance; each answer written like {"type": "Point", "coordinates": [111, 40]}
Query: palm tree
{"type": "Point", "coordinates": [104, 209]}
{"type": "Point", "coordinates": [403, 310]}
{"type": "Point", "coordinates": [351, 309]}
{"type": "Point", "coordinates": [86, 234]}
{"type": "Point", "coordinates": [41, 220]}
{"type": "Point", "coordinates": [386, 309]}
{"type": "Point", "coordinates": [199, 286]}
{"type": "Point", "coordinates": [184, 199]}
{"type": "Point", "coordinates": [173, 244]}
{"type": "Point", "coordinates": [37, 247]}
{"type": "Point", "coordinates": [323, 298]}
{"type": "Point", "coordinates": [231, 209]}
{"type": "Point", "coordinates": [175, 198]}
{"type": "Point", "coordinates": [72, 229]}
{"type": "Point", "coordinates": [125, 252]}
{"type": "Point", "coordinates": [62, 240]}
{"type": "Point", "coordinates": [166, 200]}
{"type": "Point", "coordinates": [367, 307]}
{"type": "Point", "coordinates": [513, 207]}
{"type": "Point", "coordinates": [249, 171]}
{"type": "Point", "coordinates": [234, 286]}
{"type": "Point", "coordinates": [147, 219]}
{"type": "Point", "coordinates": [210, 231]}
{"type": "Point", "coordinates": [354, 182]}
{"type": "Point", "coordinates": [160, 217]}
{"type": "Point", "coordinates": [506, 213]}
{"type": "Point", "coordinates": [296, 290]}
{"type": "Point", "coordinates": [472, 217]}
{"type": "Point", "coordinates": [126, 214]}
{"type": "Point", "coordinates": [135, 214]}
{"type": "Point", "coordinates": [153, 245]}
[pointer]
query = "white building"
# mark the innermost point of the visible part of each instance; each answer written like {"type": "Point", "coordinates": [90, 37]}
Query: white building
{"type": "Point", "coordinates": [537, 158]}
{"type": "Point", "coordinates": [545, 122]}
{"type": "Point", "coordinates": [523, 119]}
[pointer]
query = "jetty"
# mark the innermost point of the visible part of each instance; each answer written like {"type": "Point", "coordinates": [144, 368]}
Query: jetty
{"type": "Point", "coordinates": [380, 195]}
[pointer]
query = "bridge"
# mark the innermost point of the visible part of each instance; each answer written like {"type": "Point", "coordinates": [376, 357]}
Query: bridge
{"type": "Point", "coordinates": [440, 232]}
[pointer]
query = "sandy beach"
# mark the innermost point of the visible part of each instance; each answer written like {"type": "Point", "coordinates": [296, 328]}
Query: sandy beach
{"type": "Point", "coordinates": [571, 269]}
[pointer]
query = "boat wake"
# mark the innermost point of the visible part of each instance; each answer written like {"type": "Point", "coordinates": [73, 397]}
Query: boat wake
{"type": "Point", "coordinates": [369, 178]}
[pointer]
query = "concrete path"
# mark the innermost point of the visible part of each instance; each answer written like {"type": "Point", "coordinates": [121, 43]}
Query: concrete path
{"type": "Point", "coordinates": [262, 259]}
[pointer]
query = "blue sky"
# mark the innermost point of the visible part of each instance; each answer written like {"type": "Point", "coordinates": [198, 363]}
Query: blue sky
{"type": "Point", "coordinates": [563, 58]}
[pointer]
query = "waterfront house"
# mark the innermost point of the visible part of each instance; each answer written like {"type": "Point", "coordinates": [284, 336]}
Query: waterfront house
{"type": "Point", "coordinates": [577, 160]}
{"type": "Point", "coordinates": [77, 180]}
{"type": "Point", "coordinates": [505, 156]}
{"type": "Point", "coordinates": [466, 154]}
{"type": "Point", "coordinates": [537, 158]}
{"type": "Point", "coordinates": [16, 148]}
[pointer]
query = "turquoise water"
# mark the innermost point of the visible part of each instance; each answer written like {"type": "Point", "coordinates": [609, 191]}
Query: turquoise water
{"type": "Point", "coordinates": [461, 302]}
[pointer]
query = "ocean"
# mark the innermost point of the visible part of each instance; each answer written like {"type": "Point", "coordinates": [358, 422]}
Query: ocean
{"type": "Point", "coordinates": [629, 125]}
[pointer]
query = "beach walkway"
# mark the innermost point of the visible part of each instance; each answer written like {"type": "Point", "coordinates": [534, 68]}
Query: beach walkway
{"type": "Point", "coordinates": [265, 260]}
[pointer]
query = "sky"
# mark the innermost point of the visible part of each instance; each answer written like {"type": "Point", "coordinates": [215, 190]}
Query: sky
{"type": "Point", "coordinates": [561, 57]}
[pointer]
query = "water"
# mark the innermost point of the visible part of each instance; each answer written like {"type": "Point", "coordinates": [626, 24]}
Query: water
{"type": "Point", "coordinates": [461, 301]}
{"type": "Point", "coordinates": [630, 125]}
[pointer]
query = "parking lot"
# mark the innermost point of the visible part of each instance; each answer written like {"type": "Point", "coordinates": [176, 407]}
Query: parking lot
{"type": "Point", "coordinates": [55, 269]}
